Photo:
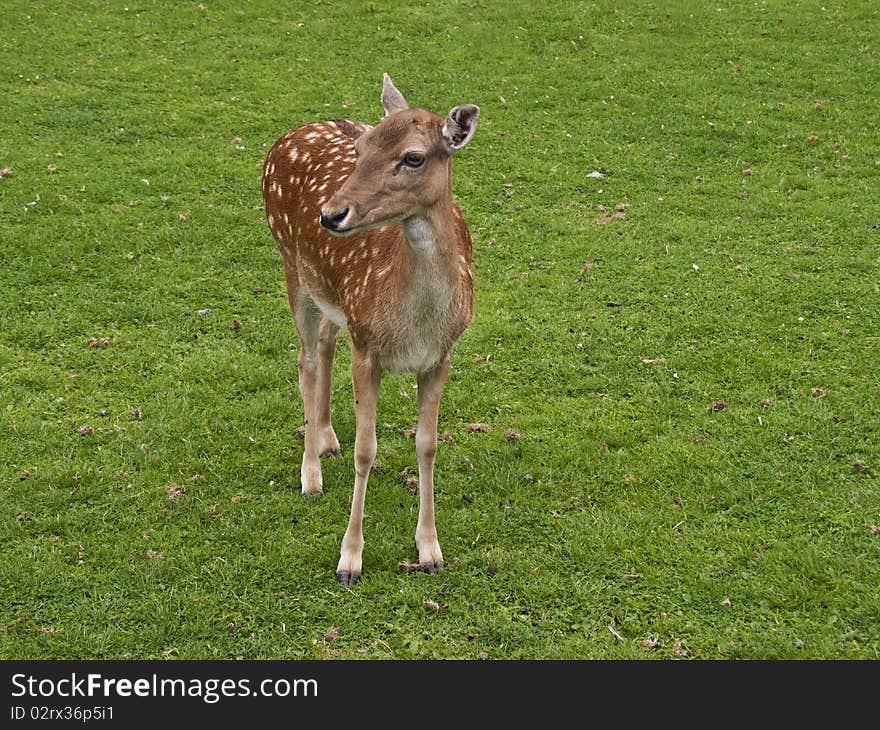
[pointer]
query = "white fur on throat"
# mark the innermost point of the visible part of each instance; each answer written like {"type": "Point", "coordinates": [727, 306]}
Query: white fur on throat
{"type": "Point", "coordinates": [419, 234]}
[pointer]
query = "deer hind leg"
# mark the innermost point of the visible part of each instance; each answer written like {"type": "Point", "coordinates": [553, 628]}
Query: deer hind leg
{"type": "Point", "coordinates": [430, 388]}
{"type": "Point", "coordinates": [328, 444]}
{"type": "Point", "coordinates": [307, 317]}
{"type": "Point", "coordinates": [366, 376]}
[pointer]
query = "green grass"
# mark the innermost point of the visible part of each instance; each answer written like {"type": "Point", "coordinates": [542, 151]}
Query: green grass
{"type": "Point", "coordinates": [628, 510]}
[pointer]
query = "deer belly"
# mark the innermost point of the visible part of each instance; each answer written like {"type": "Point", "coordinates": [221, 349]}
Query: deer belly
{"type": "Point", "coordinates": [331, 312]}
{"type": "Point", "coordinates": [320, 292]}
{"type": "Point", "coordinates": [418, 357]}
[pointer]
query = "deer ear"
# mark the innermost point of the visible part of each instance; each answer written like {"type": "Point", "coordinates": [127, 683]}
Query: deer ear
{"type": "Point", "coordinates": [392, 99]}
{"type": "Point", "coordinates": [459, 127]}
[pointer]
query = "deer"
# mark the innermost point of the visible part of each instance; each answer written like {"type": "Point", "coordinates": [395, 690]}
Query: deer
{"type": "Point", "coordinates": [372, 241]}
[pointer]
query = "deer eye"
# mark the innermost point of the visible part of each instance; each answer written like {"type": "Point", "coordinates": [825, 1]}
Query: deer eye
{"type": "Point", "coordinates": [413, 159]}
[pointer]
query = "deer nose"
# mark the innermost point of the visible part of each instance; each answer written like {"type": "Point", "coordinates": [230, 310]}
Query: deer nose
{"type": "Point", "coordinates": [333, 220]}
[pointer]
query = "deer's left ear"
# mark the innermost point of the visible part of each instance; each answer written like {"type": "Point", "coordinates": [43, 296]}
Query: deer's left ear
{"type": "Point", "coordinates": [392, 99]}
{"type": "Point", "coordinates": [460, 125]}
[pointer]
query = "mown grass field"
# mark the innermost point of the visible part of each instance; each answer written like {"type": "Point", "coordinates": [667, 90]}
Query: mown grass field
{"type": "Point", "coordinates": [694, 380]}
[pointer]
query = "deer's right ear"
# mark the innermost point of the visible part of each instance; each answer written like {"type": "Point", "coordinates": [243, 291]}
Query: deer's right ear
{"type": "Point", "coordinates": [459, 127]}
{"type": "Point", "coordinates": [392, 99]}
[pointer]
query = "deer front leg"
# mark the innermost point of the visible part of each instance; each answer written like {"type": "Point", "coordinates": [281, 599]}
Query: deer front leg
{"type": "Point", "coordinates": [307, 318]}
{"type": "Point", "coordinates": [328, 444]}
{"type": "Point", "coordinates": [430, 388]}
{"type": "Point", "coordinates": [365, 375]}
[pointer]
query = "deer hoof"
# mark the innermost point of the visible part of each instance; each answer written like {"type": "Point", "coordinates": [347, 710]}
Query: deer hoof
{"type": "Point", "coordinates": [347, 577]}
{"type": "Point", "coordinates": [430, 557]}
{"type": "Point", "coordinates": [328, 444]}
{"type": "Point", "coordinates": [311, 481]}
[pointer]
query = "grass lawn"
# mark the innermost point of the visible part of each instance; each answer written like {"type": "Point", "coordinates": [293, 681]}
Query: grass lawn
{"type": "Point", "coordinates": [686, 342]}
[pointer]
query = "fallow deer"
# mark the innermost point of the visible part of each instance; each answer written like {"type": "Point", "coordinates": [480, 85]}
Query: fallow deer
{"type": "Point", "coordinates": [372, 241]}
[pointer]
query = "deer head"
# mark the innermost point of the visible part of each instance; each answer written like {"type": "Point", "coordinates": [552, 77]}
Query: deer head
{"type": "Point", "coordinates": [403, 165]}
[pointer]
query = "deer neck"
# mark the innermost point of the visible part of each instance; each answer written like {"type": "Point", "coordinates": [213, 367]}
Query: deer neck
{"type": "Point", "coordinates": [429, 268]}
{"type": "Point", "coordinates": [430, 237]}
